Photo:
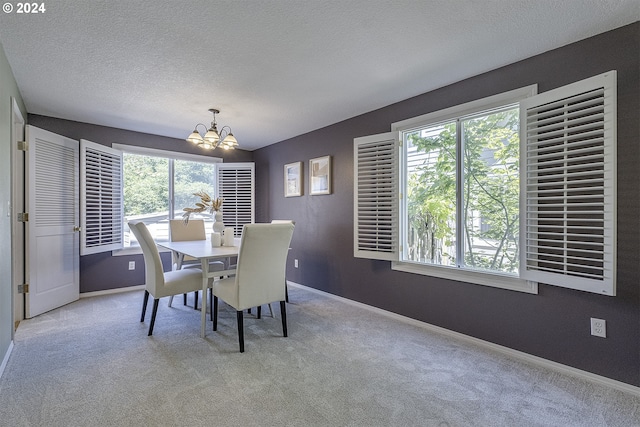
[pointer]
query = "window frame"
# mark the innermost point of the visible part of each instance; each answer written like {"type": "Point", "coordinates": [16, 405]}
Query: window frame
{"type": "Point", "coordinates": [486, 278]}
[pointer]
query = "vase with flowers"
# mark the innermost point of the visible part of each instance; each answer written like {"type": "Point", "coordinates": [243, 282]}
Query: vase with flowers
{"type": "Point", "coordinates": [206, 203]}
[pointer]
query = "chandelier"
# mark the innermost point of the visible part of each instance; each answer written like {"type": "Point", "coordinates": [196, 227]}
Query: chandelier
{"type": "Point", "coordinates": [212, 138]}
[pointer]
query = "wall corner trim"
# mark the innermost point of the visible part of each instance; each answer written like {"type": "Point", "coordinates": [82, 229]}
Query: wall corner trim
{"type": "Point", "coordinates": [525, 357]}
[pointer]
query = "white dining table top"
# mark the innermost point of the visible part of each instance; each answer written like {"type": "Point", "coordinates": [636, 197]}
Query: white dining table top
{"type": "Point", "coordinates": [202, 249]}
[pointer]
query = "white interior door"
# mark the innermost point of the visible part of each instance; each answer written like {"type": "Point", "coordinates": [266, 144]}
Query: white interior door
{"type": "Point", "coordinates": [52, 232]}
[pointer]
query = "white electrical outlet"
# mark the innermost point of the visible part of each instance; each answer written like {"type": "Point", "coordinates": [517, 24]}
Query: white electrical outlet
{"type": "Point", "coordinates": [132, 265]}
{"type": "Point", "coordinates": [598, 327]}
{"type": "Point", "coordinates": [295, 263]}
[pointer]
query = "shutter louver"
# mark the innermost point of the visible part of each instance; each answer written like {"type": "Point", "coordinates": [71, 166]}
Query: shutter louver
{"type": "Point", "coordinates": [55, 204]}
{"type": "Point", "coordinates": [102, 201]}
{"type": "Point", "coordinates": [375, 197]}
{"type": "Point", "coordinates": [235, 183]}
{"type": "Point", "coordinates": [568, 178]}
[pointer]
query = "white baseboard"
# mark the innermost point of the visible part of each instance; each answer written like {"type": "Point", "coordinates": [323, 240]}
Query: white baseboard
{"type": "Point", "coordinates": [112, 291]}
{"type": "Point", "coordinates": [535, 360]}
{"type": "Point", "coordinates": [5, 359]}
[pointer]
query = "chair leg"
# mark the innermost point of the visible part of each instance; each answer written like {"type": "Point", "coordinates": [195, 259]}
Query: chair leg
{"type": "Point", "coordinates": [259, 311]}
{"type": "Point", "coordinates": [144, 305]}
{"type": "Point", "coordinates": [270, 309]}
{"type": "Point", "coordinates": [195, 300]}
{"type": "Point", "coordinates": [184, 299]}
{"type": "Point", "coordinates": [240, 330]}
{"type": "Point", "coordinates": [210, 303]}
{"type": "Point", "coordinates": [283, 311]}
{"type": "Point", "coordinates": [214, 317]}
{"type": "Point", "coordinates": [153, 315]}
{"type": "Point", "coordinates": [286, 291]}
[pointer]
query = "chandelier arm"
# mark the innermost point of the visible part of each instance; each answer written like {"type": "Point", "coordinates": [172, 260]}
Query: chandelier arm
{"type": "Point", "coordinates": [203, 125]}
{"type": "Point", "coordinates": [222, 129]}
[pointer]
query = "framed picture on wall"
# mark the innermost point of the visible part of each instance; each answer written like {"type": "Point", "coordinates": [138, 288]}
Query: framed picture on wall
{"type": "Point", "coordinates": [293, 179]}
{"type": "Point", "coordinates": [320, 175]}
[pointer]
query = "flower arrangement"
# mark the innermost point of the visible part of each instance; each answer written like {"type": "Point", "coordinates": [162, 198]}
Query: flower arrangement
{"type": "Point", "coordinates": [206, 204]}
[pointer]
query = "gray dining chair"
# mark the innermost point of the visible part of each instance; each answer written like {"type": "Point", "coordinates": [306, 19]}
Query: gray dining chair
{"type": "Point", "coordinates": [260, 273]}
{"type": "Point", "coordinates": [159, 283]}
{"type": "Point", "coordinates": [180, 231]}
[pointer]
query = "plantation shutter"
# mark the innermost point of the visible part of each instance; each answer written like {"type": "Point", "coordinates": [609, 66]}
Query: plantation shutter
{"type": "Point", "coordinates": [236, 185]}
{"type": "Point", "coordinates": [375, 207]}
{"type": "Point", "coordinates": [568, 178]}
{"type": "Point", "coordinates": [101, 198]}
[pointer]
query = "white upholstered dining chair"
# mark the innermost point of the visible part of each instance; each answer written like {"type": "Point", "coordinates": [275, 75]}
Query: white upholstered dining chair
{"type": "Point", "coordinates": [180, 231]}
{"type": "Point", "coordinates": [259, 275]}
{"type": "Point", "coordinates": [286, 288]}
{"type": "Point", "coordinates": [159, 283]}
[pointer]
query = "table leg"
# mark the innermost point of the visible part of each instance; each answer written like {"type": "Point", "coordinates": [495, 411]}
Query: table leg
{"type": "Point", "coordinates": [205, 283]}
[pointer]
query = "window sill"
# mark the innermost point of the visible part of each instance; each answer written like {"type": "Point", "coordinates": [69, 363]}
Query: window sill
{"type": "Point", "coordinates": [501, 281]}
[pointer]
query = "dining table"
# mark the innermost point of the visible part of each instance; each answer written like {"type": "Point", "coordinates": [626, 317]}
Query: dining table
{"type": "Point", "coordinates": [203, 251]}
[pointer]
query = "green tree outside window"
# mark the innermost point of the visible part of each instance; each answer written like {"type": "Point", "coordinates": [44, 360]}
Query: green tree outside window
{"type": "Point", "coordinates": [489, 165]}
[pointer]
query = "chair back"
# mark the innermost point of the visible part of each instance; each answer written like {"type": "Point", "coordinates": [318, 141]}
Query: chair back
{"type": "Point", "coordinates": [283, 221]}
{"type": "Point", "coordinates": [154, 274]}
{"type": "Point", "coordinates": [192, 230]}
{"type": "Point", "coordinates": [260, 273]}
{"type": "Point", "coordinates": [179, 231]}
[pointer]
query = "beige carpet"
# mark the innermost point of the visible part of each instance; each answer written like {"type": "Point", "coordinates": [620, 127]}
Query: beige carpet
{"type": "Point", "coordinates": [91, 364]}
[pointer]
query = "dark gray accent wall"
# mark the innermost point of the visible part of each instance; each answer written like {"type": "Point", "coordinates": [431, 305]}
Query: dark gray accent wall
{"type": "Point", "coordinates": [103, 271]}
{"type": "Point", "coordinates": [555, 323]}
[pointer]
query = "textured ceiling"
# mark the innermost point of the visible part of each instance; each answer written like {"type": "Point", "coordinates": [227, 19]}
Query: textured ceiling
{"type": "Point", "coordinates": [275, 68]}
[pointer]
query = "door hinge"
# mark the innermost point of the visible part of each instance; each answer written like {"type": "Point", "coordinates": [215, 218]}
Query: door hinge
{"type": "Point", "coordinates": [23, 216]}
{"type": "Point", "coordinates": [23, 146]}
{"type": "Point", "coordinates": [23, 289]}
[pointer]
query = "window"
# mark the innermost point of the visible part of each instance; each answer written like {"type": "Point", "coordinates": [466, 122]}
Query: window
{"type": "Point", "coordinates": [158, 187]}
{"type": "Point", "coordinates": [462, 192]}
{"type": "Point", "coordinates": [506, 191]}
{"type": "Point", "coordinates": [126, 183]}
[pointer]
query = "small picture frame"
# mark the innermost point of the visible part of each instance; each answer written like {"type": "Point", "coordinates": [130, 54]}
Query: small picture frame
{"type": "Point", "coordinates": [293, 179]}
{"type": "Point", "coordinates": [320, 175]}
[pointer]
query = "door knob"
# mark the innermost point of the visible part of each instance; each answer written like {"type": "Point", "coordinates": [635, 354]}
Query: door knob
{"type": "Point", "coordinates": [77, 228]}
